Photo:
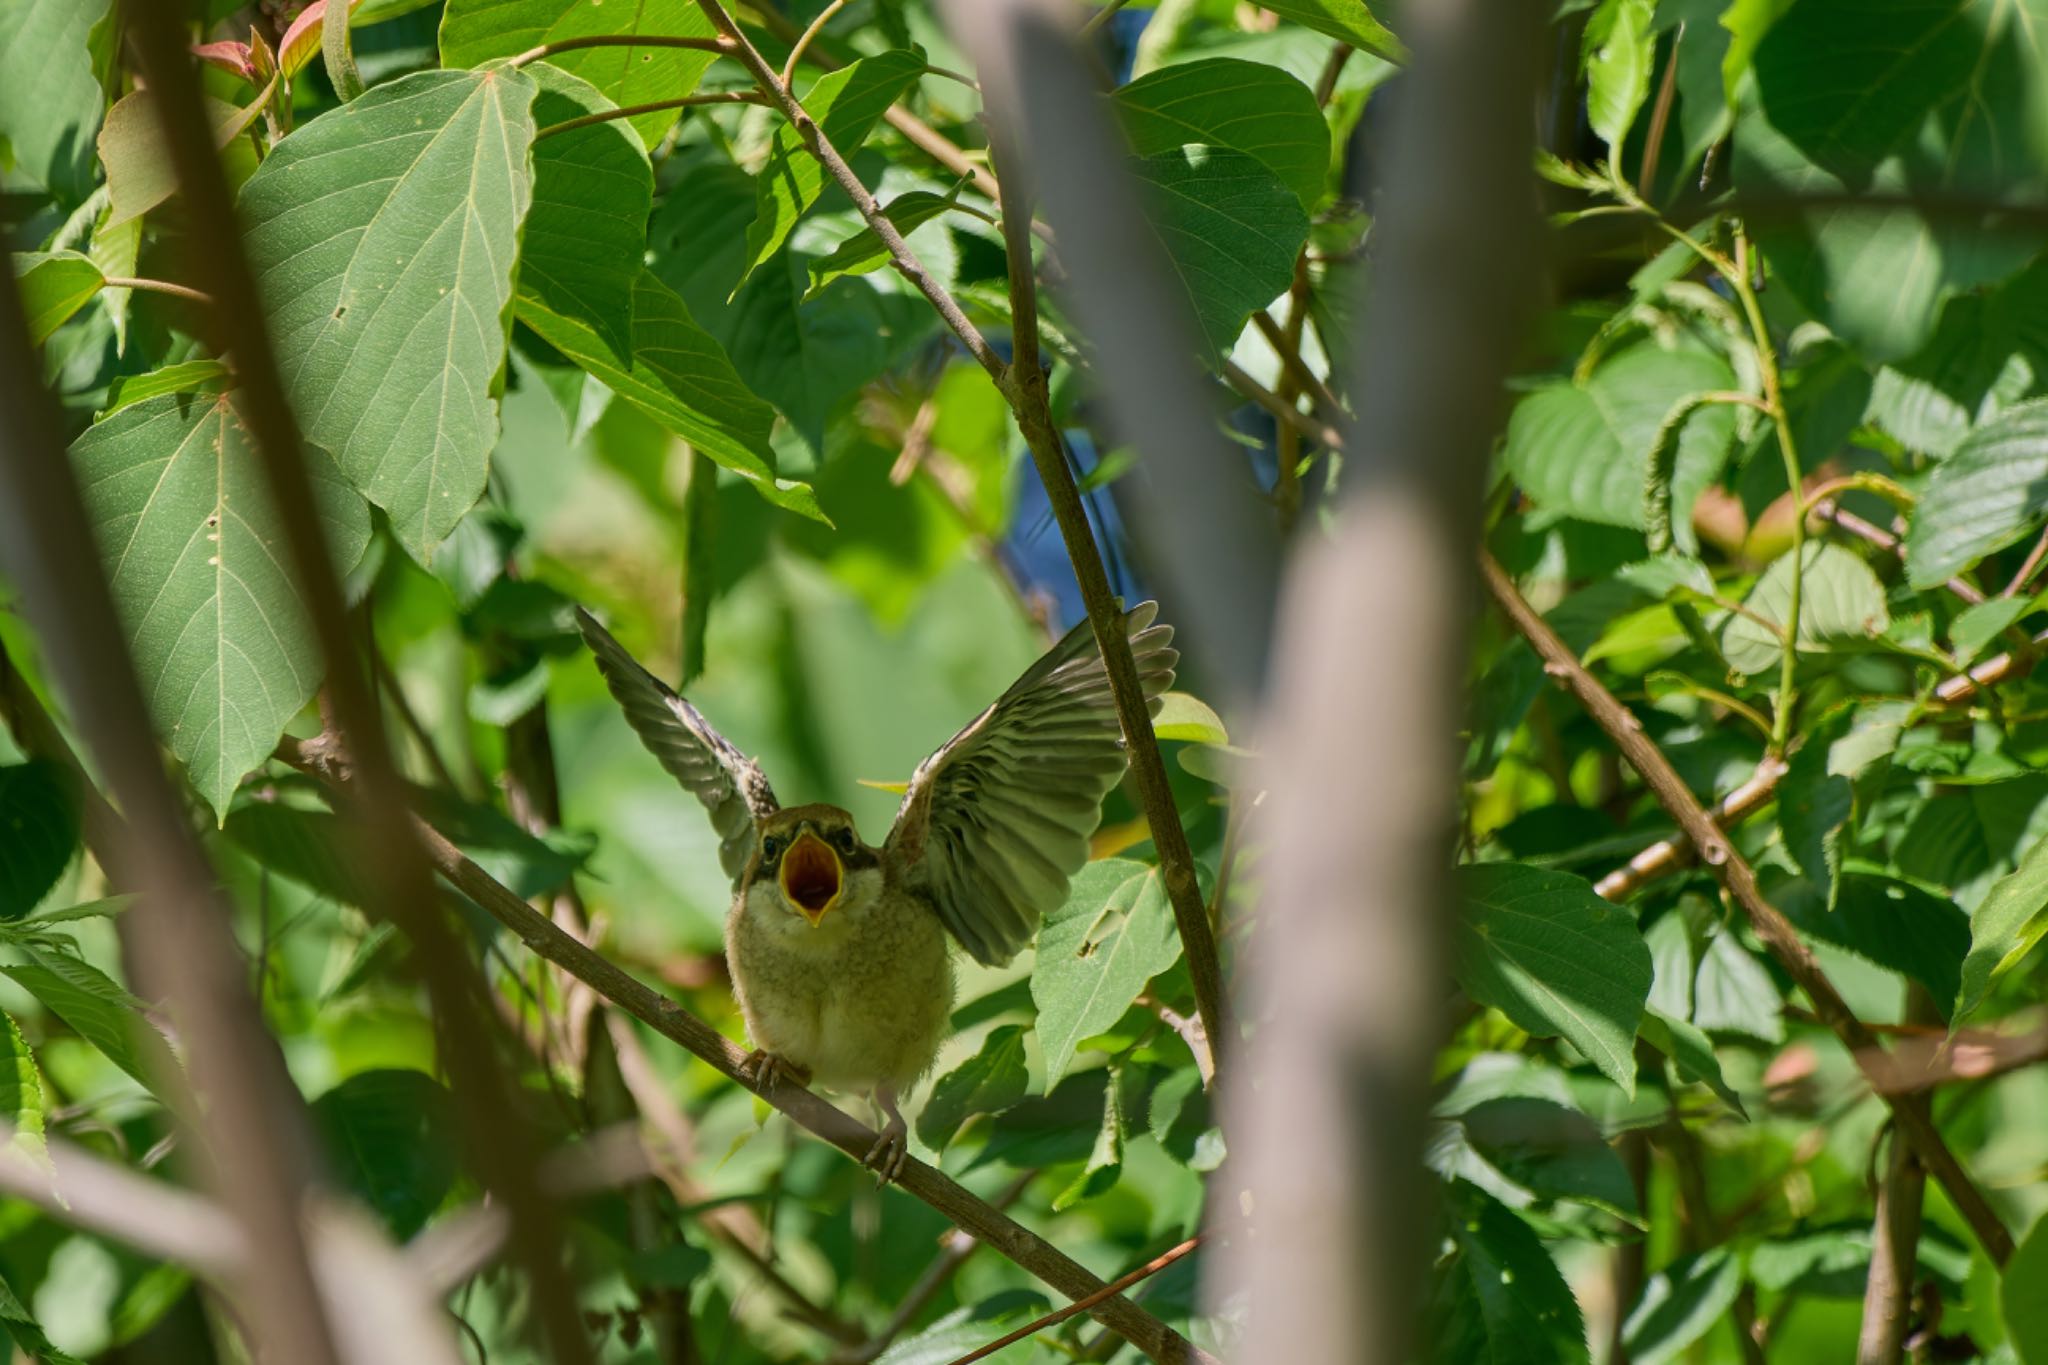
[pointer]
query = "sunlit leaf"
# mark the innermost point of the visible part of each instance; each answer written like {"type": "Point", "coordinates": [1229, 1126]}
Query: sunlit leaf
{"type": "Point", "coordinates": [1248, 107]}
{"type": "Point", "coordinates": [1096, 952]}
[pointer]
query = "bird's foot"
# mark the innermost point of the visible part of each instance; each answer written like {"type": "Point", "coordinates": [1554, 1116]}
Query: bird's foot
{"type": "Point", "coordinates": [769, 1070]}
{"type": "Point", "coordinates": [890, 1151]}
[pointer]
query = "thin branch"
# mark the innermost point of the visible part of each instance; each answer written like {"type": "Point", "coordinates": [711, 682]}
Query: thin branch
{"type": "Point", "coordinates": [1054, 1319]}
{"type": "Point", "coordinates": [809, 1111]}
{"type": "Point", "coordinates": [178, 291]}
{"type": "Point", "coordinates": [1314, 429]}
{"type": "Point", "coordinates": [1101, 17]}
{"type": "Point", "coordinates": [1660, 116]}
{"type": "Point", "coordinates": [1668, 855]}
{"type": "Point", "coordinates": [1895, 1232]}
{"type": "Point", "coordinates": [500, 1142]}
{"type": "Point", "coordinates": [1026, 390]}
{"type": "Point", "coordinates": [1779, 938]}
{"type": "Point", "coordinates": [807, 37]}
{"type": "Point", "coordinates": [1287, 345]}
{"type": "Point", "coordinates": [651, 107]}
{"type": "Point", "coordinates": [2027, 568]}
{"type": "Point", "coordinates": [722, 46]}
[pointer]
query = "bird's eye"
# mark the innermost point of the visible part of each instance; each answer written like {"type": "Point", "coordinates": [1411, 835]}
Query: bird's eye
{"type": "Point", "coordinates": [844, 839]}
{"type": "Point", "coordinates": [771, 848]}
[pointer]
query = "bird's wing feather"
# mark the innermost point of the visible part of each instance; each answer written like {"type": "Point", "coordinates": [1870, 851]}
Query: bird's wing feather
{"type": "Point", "coordinates": [994, 824]}
{"type": "Point", "coordinates": [731, 785]}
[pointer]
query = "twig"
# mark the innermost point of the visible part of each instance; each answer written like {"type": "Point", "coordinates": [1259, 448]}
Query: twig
{"type": "Point", "coordinates": [809, 1111]}
{"type": "Point", "coordinates": [500, 1143]}
{"type": "Point", "coordinates": [2026, 569]}
{"type": "Point", "coordinates": [1779, 938]}
{"type": "Point", "coordinates": [1101, 17]}
{"type": "Point", "coordinates": [1287, 345]}
{"type": "Point", "coordinates": [1054, 1319]}
{"type": "Point", "coordinates": [1660, 116]}
{"type": "Point", "coordinates": [722, 46]}
{"type": "Point", "coordinates": [1884, 540]}
{"type": "Point", "coordinates": [394, 690]}
{"type": "Point", "coordinates": [1895, 1232]}
{"type": "Point", "coordinates": [1669, 855]}
{"type": "Point", "coordinates": [1333, 68]}
{"type": "Point", "coordinates": [807, 37]}
{"type": "Point", "coordinates": [1316, 430]}
{"type": "Point", "coordinates": [651, 107]}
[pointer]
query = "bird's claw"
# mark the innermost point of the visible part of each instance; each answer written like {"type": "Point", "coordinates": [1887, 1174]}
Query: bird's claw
{"type": "Point", "coordinates": [769, 1070]}
{"type": "Point", "coordinates": [890, 1151]}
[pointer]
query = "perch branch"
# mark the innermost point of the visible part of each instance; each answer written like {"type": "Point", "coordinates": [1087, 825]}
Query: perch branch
{"type": "Point", "coordinates": [1734, 872]}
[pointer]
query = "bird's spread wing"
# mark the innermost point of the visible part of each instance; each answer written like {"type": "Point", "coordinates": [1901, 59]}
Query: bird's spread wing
{"type": "Point", "coordinates": [731, 785]}
{"type": "Point", "coordinates": [995, 823]}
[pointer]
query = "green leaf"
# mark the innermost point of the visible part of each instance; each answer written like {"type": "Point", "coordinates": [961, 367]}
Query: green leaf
{"type": "Point", "coordinates": [1248, 107]}
{"type": "Point", "coordinates": [1551, 1152]}
{"type": "Point", "coordinates": [2005, 927]}
{"type": "Point", "coordinates": [681, 378]}
{"type": "Point", "coordinates": [384, 235]}
{"type": "Point", "coordinates": [1177, 1115]}
{"type": "Point", "coordinates": [1928, 98]}
{"type": "Point", "coordinates": [846, 104]}
{"type": "Point", "coordinates": [1618, 51]}
{"type": "Point", "coordinates": [585, 236]}
{"type": "Point", "coordinates": [1840, 602]}
{"type": "Point", "coordinates": [1584, 449]}
{"type": "Point", "coordinates": [1890, 922]}
{"type": "Point", "coordinates": [1814, 802]}
{"type": "Point", "coordinates": [50, 98]}
{"type": "Point", "coordinates": [1105, 1162]}
{"type": "Point", "coordinates": [1692, 1052]}
{"type": "Point", "coordinates": [863, 252]}
{"type": "Point", "coordinates": [187, 376]}
{"type": "Point", "coordinates": [1835, 1262]}
{"type": "Point", "coordinates": [38, 832]}
{"type": "Point", "coordinates": [1184, 716]}
{"type": "Point", "coordinates": [1096, 952]}
{"type": "Point", "coordinates": [140, 175]}
{"type": "Point", "coordinates": [115, 250]}
{"type": "Point", "coordinates": [475, 31]}
{"type": "Point", "coordinates": [1231, 228]}
{"type": "Point", "coordinates": [1348, 20]}
{"type": "Point", "coordinates": [1977, 627]}
{"type": "Point", "coordinates": [54, 285]}
{"type": "Point", "coordinates": [1992, 492]}
{"type": "Point", "coordinates": [388, 1137]}
{"type": "Point", "coordinates": [1733, 993]}
{"type": "Point", "coordinates": [990, 1081]}
{"type": "Point", "coordinates": [22, 1328]}
{"type": "Point", "coordinates": [1680, 1304]}
{"type": "Point", "coordinates": [1988, 351]}
{"type": "Point", "coordinates": [1052, 1131]}
{"type": "Point", "coordinates": [97, 1009]}
{"type": "Point", "coordinates": [1501, 1299]}
{"type": "Point", "coordinates": [2023, 1296]}
{"type": "Point", "coordinates": [22, 1106]}
{"type": "Point", "coordinates": [194, 553]}
{"type": "Point", "coordinates": [1556, 959]}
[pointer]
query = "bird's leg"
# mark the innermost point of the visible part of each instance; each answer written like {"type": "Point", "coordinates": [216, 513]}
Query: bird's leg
{"type": "Point", "coordinates": [892, 1148]}
{"type": "Point", "coordinates": [769, 1070]}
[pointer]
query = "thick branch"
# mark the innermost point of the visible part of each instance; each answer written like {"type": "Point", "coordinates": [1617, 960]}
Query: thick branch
{"type": "Point", "coordinates": [821, 1118]}
{"type": "Point", "coordinates": [1735, 874]}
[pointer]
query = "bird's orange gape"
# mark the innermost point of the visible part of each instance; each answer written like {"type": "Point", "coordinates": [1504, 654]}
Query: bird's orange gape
{"type": "Point", "coordinates": [811, 877]}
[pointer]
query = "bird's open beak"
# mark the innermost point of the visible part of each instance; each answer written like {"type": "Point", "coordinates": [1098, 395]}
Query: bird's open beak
{"type": "Point", "coordinates": [812, 877]}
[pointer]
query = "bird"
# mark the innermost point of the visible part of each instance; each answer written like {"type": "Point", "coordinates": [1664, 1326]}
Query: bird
{"type": "Point", "coordinates": [842, 952]}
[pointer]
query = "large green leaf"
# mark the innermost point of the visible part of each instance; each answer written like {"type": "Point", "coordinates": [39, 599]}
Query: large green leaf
{"type": "Point", "coordinates": [681, 378]}
{"type": "Point", "coordinates": [94, 1005]}
{"type": "Point", "coordinates": [587, 231]}
{"type": "Point", "coordinates": [1248, 107]}
{"type": "Point", "coordinates": [475, 31]}
{"type": "Point", "coordinates": [846, 105]}
{"type": "Point", "coordinates": [1991, 492]}
{"type": "Point", "coordinates": [195, 555]}
{"type": "Point", "coordinates": [1840, 602]}
{"type": "Point", "coordinates": [1096, 952]}
{"type": "Point", "coordinates": [1543, 1151]}
{"type": "Point", "coordinates": [1349, 20]}
{"type": "Point", "coordinates": [2007, 924]}
{"type": "Point", "coordinates": [1584, 449]}
{"type": "Point", "coordinates": [1500, 1300]}
{"type": "Point", "coordinates": [50, 99]}
{"type": "Point", "coordinates": [38, 832]}
{"type": "Point", "coordinates": [1931, 97]}
{"type": "Point", "coordinates": [1892, 923]}
{"type": "Point", "coordinates": [54, 285]}
{"type": "Point", "coordinates": [1231, 228]}
{"type": "Point", "coordinates": [1556, 959]}
{"type": "Point", "coordinates": [1988, 352]}
{"type": "Point", "coordinates": [1680, 1304]}
{"type": "Point", "coordinates": [991, 1080]}
{"type": "Point", "coordinates": [387, 1133]}
{"type": "Point", "coordinates": [384, 235]}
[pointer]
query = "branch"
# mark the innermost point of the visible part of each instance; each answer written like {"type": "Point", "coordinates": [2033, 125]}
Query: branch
{"type": "Point", "coordinates": [1283, 411]}
{"type": "Point", "coordinates": [1058, 1316]}
{"type": "Point", "coordinates": [672, 1021]}
{"type": "Point", "coordinates": [500, 1142]}
{"type": "Point", "coordinates": [1735, 874]}
{"type": "Point", "coordinates": [1895, 1232]}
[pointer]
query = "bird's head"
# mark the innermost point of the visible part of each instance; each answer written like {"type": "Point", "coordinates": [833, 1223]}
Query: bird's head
{"type": "Point", "coordinates": [812, 864]}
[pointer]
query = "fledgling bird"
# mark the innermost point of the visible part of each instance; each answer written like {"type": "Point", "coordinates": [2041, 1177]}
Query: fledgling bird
{"type": "Point", "coordinates": [838, 948]}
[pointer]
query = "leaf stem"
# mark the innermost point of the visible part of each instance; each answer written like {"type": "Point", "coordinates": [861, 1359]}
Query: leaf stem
{"type": "Point", "coordinates": [722, 46]}
{"type": "Point", "coordinates": [334, 51]}
{"type": "Point", "coordinates": [804, 39]}
{"type": "Point", "coordinates": [651, 107]}
{"type": "Point", "coordinates": [1058, 1316]}
{"type": "Point", "coordinates": [1101, 17]}
{"type": "Point", "coordinates": [178, 291]}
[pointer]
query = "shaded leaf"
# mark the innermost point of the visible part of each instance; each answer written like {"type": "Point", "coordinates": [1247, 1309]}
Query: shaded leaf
{"type": "Point", "coordinates": [1556, 959]}
{"type": "Point", "coordinates": [387, 1135]}
{"type": "Point", "coordinates": [38, 832]}
{"type": "Point", "coordinates": [991, 1080]}
{"type": "Point", "coordinates": [1693, 1053]}
{"type": "Point", "coordinates": [1680, 1304]}
{"type": "Point", "coordinates": [2005, 927]}
{"type": "Point", "coordinates": [1551, 1152]}
{"type": "Point", "coordinates": [96, 1007]}
{"type": "Point", "coordinates": [1248, 107]}
{"type": "Point", "coordinates": [50, 98]}
{"type": "Point", "coordinates": [864, 251]}
{"type": "Point", "coordinates": [54, 285]}
{"type": "Point", "coordinates": [2023, 1296]}
{"type": "Point", "coordinates": [1501, 1300]}
{"type": "Point", "coordinates": [1733, 993]}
